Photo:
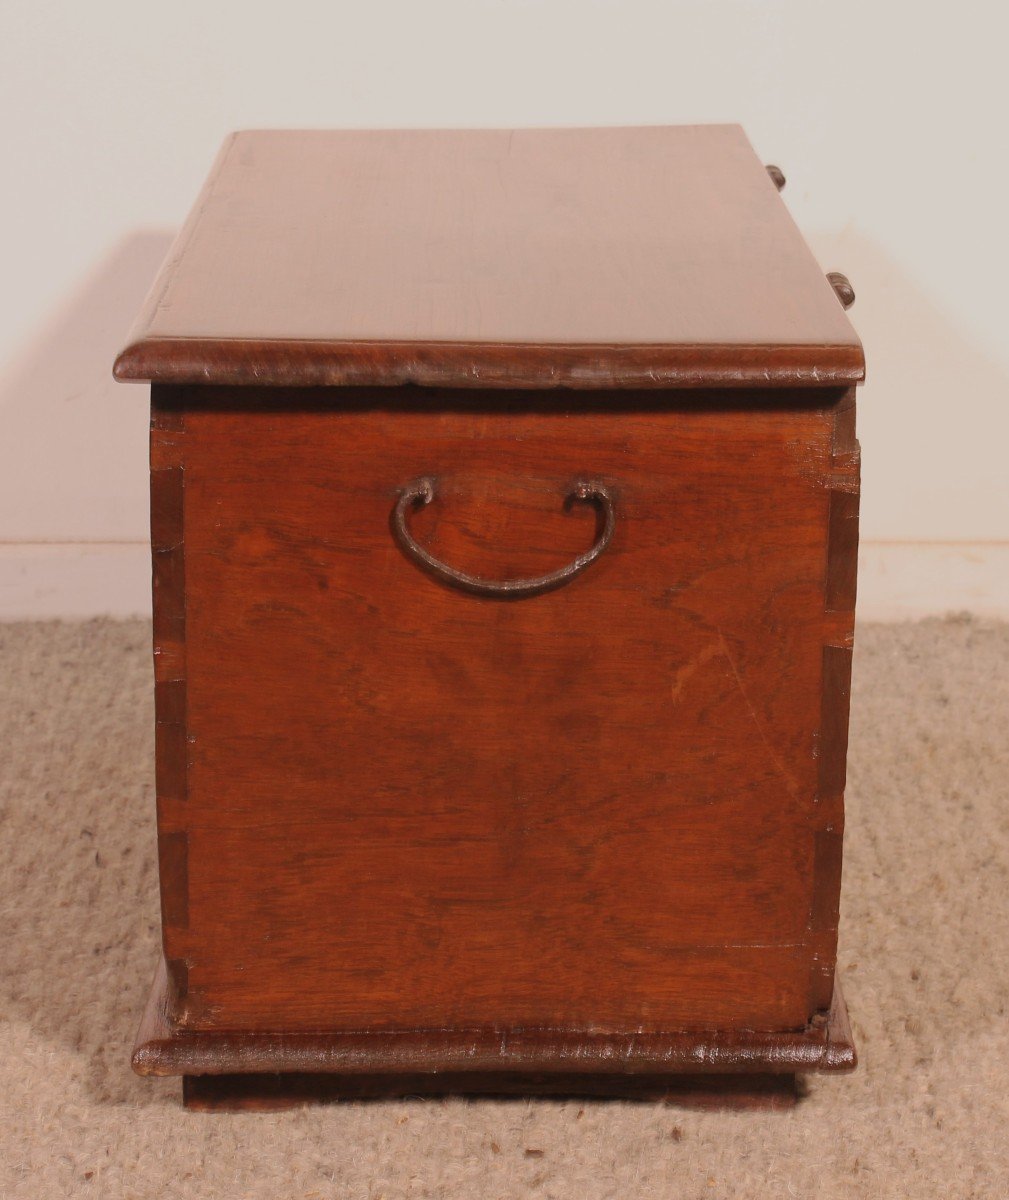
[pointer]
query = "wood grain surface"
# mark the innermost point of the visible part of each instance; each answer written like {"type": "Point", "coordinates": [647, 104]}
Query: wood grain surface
{"type": "Point", "coordinates": [578, 258]}
{"type": "Point", "coordinates": [613, 808]}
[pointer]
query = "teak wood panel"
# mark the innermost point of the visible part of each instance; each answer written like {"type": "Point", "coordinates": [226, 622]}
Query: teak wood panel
{"type": "Point", "coordinates": [579, 258]}
{"type": "Point", "coordinates": [392, 805]}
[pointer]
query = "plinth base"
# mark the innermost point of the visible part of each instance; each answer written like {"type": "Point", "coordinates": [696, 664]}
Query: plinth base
{"type": "Point", "coordinates": [234, 1069]}
{"type": "Point", "coordinates": [266, 1093]}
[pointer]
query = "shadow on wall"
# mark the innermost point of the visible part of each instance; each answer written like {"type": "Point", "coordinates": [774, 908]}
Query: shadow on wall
{"type": "Point", "coordinates": [73, 458]}
{"type": "Point", "coordinates": [934, 412]}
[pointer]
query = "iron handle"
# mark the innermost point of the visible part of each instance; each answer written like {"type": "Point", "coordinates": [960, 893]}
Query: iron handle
{"type": "Point", "coordinates": [422, 491]}
{"type": "Point", "coordinates": [842, 288]}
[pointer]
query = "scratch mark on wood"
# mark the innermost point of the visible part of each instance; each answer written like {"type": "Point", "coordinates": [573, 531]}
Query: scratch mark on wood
{"type": "Point", "coordinates": [787, 778]}
{"type": "Point", "coordinates": [689, 669]}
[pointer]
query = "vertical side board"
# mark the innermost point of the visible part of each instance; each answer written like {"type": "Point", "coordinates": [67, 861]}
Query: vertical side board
{"type": "Point", "coordinates": [832, 748]}
{"type": "Point", "coordinates": [170, 703]}
{"type": "Point", "coordinates": [168, 434]}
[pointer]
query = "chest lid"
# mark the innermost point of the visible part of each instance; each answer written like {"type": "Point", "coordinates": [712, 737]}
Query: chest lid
{"type": "Point", "coordinates": [578, 258]}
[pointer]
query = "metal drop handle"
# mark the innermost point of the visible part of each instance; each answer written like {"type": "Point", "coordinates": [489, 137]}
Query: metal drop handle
{"type": "Point", "coordinates": [842, 288]}
{"type": "Point", "coordinates": [422, 491]}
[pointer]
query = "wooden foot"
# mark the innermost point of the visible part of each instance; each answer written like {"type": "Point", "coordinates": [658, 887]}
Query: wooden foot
{"type": "Point", "coordinates": [268, 1092]}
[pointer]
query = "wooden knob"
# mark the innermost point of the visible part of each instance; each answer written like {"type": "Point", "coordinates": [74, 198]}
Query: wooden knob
{"type": "Point", "coordinates": [845, 292]}
{"type": "Point", "coordinates": [777, 176]}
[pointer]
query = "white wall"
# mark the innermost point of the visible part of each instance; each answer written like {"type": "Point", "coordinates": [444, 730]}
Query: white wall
{"type": "Point", "coordinates": [888, 119]}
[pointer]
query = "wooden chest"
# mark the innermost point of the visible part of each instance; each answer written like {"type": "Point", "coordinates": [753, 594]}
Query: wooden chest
{"type": "Point", "coordinates": [504, 502]}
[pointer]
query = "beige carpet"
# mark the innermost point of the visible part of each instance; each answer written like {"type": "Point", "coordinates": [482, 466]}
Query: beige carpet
{"type": "Point", "coordinates": [925, 965]}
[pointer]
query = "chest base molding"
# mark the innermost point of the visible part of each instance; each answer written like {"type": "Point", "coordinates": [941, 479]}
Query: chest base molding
{"type": "Point", "coordinates": [474, 1062]}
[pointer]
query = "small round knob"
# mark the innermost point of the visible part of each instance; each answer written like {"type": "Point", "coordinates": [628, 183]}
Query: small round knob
{"type": "Point", "coordinates": [845, 292]}
{"type": "Point", "coordinates": [777, 176]}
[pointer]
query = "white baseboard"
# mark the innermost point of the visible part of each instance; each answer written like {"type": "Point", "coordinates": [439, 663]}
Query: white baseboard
{"type": "Point", "coordinates": [74, 580]}
{"type": "Point", "coordinates": [907, 580]}
{"type": "Point", "coordinates": [897, 580]}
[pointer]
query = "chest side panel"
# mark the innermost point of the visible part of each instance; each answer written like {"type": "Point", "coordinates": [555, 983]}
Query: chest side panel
{"type": "Point", "coordinates": [406, 806]}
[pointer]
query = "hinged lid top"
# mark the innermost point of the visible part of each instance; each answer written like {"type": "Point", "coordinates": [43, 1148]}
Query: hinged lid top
{"type": "Point", "coordinates": [587, 258]}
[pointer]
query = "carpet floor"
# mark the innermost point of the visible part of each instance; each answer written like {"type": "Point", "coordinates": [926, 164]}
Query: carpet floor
{"type": "Point", "coordinates": [924, 962]}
